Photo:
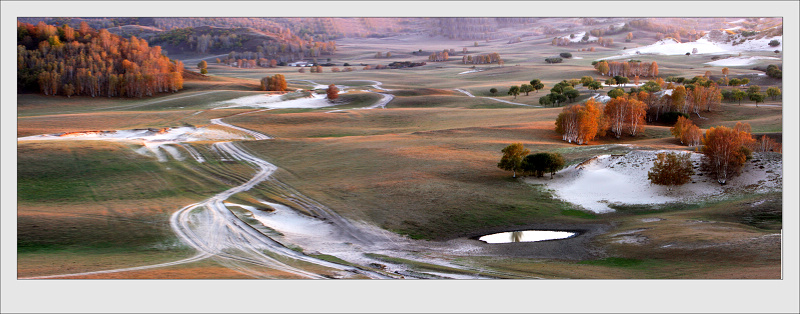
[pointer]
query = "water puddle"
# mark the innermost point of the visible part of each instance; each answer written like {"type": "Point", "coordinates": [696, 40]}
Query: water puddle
{"type": "Point", "coordinates": [526, 236]}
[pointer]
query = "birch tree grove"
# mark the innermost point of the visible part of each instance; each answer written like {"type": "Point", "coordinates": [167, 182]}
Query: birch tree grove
{"type": "Point", "coordinates": [60, 62]}
{"type": "Point", "coordinates": [724, 152]}
{"type": "Point", "coordinates": [580, 123]}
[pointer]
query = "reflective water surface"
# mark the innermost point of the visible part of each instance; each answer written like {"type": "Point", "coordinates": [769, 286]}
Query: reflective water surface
{"type": "Point", "coordinates": [526, 236]}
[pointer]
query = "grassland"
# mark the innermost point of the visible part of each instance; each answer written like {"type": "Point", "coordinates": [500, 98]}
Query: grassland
{"type": "Point", "coordinates": [424, 167]}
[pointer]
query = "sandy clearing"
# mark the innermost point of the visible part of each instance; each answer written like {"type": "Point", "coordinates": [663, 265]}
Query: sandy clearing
{"type": "Point", "coordinates": [623, 180]}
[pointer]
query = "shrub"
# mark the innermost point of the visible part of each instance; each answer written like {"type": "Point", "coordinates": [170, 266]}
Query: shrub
{"type": "Point", "coordinates": [553, 60]}
{"type": "Point", "coordinates": [671, 169]}
{"type": "Point", "coordinates": [566, 55]}
{"type": "Point", "coordinates": [774, 43]}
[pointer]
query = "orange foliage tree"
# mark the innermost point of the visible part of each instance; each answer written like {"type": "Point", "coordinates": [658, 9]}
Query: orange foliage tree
{"type": "Point", "coordinates": [725, 151]}
{"type": "Point", "coordinates": [687, 132]}
{"type": "Point", "coordinates": [332, 92]}
{"type": "Point", "coordinates": [581, 123]}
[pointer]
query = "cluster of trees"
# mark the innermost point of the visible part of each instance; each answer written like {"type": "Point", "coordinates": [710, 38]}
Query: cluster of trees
{"type": "Point", "coordinates": [312, 69]}
{"type": "Point", "coordinates": [581, 123]}
{"type": "Point", "coordinates": [379, 55]}
{"type": "Point", "coordinates": [627, 69]}
{"type": "Point", "coordinates": [605, 42]}
{"type": "Point", "coordinates": [774, 71]}
{"type": "Point", "coordinates": [439, 56]}
{"type": "Point", "coordinates": [535, 85]}
{"type": "Point", "coordinates": [668, 28]}
{"type": "Point", "coordinates": [753, 93]}
{"type": "Point", "coordinates": [560, 92]}
{"type": "Point", "coordinates": [482, 59]}
{"type": "Point", "coordinates": [66, 61]}
{"type": "Point", "coordinates": [725, 150]}
{"type": "Point", "coordinates": [517, 158]}
{"type": "Point", "coordinates": [276, 82]}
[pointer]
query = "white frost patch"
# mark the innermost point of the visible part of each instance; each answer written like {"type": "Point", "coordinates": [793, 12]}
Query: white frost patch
{"type": "Point", "coordinates": [275, 102]}
{"type": "Point", "coordinates": [172, 151]}
{"type": "Point", "coordinates": [623, 180]}
{"type": "Point", "coordinates": [471, 71]}
{"type": "Point", "coordinates": [154, 142]}
{"type": "Point", "coordinates": [670, 47]}
{"type": "Point", "coordinates": [739, 61]}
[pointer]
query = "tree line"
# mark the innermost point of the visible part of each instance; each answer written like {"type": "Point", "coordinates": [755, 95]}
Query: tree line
{"type": "Point", "coordinates": [66, 61]}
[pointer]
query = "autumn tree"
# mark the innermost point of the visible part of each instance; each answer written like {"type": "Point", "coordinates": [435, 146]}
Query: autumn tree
{"type": "Point", "coordinates": [725, 72]}
{"type": "Point", "coordinates": [671, 169]}
{"type": "Point", "coordinates": [332, 92]}
{"type": "Point", "coordinates": [512, 158]}
{"type": "Point", "coordinates": [685, 131]}
{"type": "Point", "coordinates": [276, 82]}
{"type": "Point", "coordinates": [724, 152]}
{"type": "Point", "coordinates": [766, 144]}
{"type": "Point", "coordinates": [514, 91]}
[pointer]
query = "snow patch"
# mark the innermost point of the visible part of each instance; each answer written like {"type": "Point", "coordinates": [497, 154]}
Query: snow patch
{"type": "Point", "coordinates": [671, 47]}
{"type": "Point", "coordinates": [622, 180]}
{"type": "Point", "coordinates": [739, 61]}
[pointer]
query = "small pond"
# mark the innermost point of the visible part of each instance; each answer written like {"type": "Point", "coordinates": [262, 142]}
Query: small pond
{"type": "Point", "coordinates": [526, 236]}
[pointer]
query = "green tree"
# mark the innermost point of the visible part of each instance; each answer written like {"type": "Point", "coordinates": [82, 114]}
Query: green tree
{"type": "Point", "coordinates": [537, 84]}
{"type": "Point", "coordinates": [755, 89]}
{"type": "Point", "coordinates": [617, 92]}
{"type": "Point", "coordinates": [512, 158]}
{"type": "Point", "coordinates": [557, 98]}
{"type": "Point", "coordinates": [203, 71]}
{"type": "Point", "coordinates": [738, 95]}
{"type": "Point", "coordinates": [571, 93]}
{"type": "Point", "coordinates": [540, 163]}
{"type": "Point", "coordinates": [773, 92]}
{"type": "Point", "coordinates": [671, 169]}
{"type": "Point", "coordinates": [545, 100]}
{"type": "Point", "coordinates": [586, 80]}
{"type": "Point", "coordinates": [514, 91]}
{"type": "Point", "coordinates": [595, 85]}
{"type": "Point", "coordinates": [757, 97]}
{"type": "Point", "coordinates": [493, 90]}
{"type": "Point", "coordinates": [526, 88]}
